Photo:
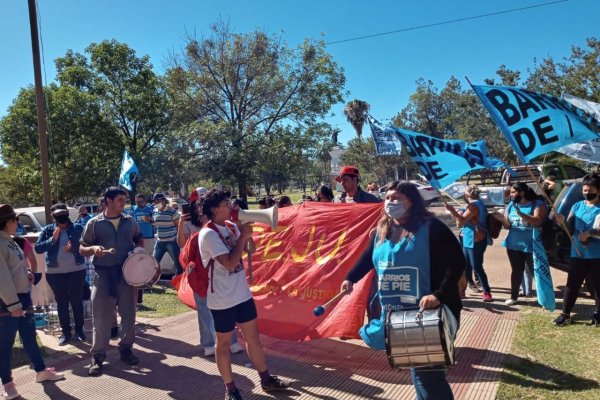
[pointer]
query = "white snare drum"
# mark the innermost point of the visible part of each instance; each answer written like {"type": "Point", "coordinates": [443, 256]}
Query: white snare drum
{"type": "Point", "coordinates": [141, 270]}
{"type": "Point", "coordinates": [420, 339]}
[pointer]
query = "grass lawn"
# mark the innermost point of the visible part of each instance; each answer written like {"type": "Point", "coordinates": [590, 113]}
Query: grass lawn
{"type": "Point", "coordinates": [551, 362]}
{"type": "Point", "coordinates": [161, 301]}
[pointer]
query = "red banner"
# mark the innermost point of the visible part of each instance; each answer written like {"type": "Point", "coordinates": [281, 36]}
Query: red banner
{"type": "Point", "coordinates": [302, 265]}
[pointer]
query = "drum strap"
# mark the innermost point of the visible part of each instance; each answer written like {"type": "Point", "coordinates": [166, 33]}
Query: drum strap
{"type": "Point", "coordinates": [211, 263]}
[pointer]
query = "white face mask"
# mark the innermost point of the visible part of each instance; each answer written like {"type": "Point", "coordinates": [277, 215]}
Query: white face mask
{"type": "Point", "coordinates": [160, 206]}
{"type": "Point", "coordinates": [395, 209]}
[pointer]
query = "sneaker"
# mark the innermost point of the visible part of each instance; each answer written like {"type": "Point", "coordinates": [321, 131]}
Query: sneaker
{"type": "Point", "coordinates": [63, 339]}
{"type": "Point", "coordinates": [562, 320]}
{"type": "Point", "coordinates": [49, 374]}
{"type": "Point", "coordinates": [487, 296]}
{"type": "Point", "coordinates": [96, 365]}
{"type": "Point", "coordinates": [209, 351]}
{"type": "Point", "coordinates": [235, 395]}
{"type": "Point", "coordinates": [114, 332]}
{"type": "Point", "coordinates": [510, 302]}
{"type": "Point", "coordinates": [473, 287]}
{"type": "Point", "coordinates": [595, 319]}
{"type": "Point", "coordinates": [128, 357]}
{"type": "Point", "coordinates": [275, 383]}
{"type": "Point", "coordinates": [80, 335]}
{"type": "Point", "coordinates": [235, 348]}
{"type": "Point", "coordinates": [10, 391]}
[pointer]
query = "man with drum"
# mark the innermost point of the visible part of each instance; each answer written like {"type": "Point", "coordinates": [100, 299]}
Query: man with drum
{"type": "Point", "coordinates": [110, 237]}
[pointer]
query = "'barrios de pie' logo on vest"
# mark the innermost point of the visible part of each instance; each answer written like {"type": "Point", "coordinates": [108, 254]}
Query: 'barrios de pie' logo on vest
{"type": "Point", "coordinates": [398, 283]}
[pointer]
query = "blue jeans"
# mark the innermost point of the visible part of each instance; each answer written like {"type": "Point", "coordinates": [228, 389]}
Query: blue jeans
{"type": "Point", "coordinates": [474, 258]}
{"type": "Point", "coordinates": [431, 384]}
{"type": "Point", "coordinates": [527, 282]}
{"type": "Point", "coordinates": [171, 247]}
{"type": "Point", "coordinates": [9, 326]}
{"type": "Point", "coordinates": [206, 323]}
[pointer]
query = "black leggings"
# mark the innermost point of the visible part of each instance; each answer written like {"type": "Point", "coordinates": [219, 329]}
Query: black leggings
{"type": "Point", "coordinates": [579, 268]}
{"type": "Point", "coordinates": [518, 259]}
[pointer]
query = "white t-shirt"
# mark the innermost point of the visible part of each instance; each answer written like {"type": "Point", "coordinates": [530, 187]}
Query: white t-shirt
{"type": "Point", "coordinates": [230, 287]}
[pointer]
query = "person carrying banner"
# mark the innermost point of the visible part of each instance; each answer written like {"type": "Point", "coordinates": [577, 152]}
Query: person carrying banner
{"type": "Point", "coordinates": [473, 237]}
{"type": "Point", "coordinates": [112, 229]}
{"type": "Point", "coordinates": [522, 213]}
{"type": "Point", "coordinates": [65, 269]}
{"type": "Point", "coordinates": [410, 241]}
{"type": "Point", "coordinates": [15, 305]}
{"type": "Point", "coordinates": [229, 299]}
{"type": "Point", "coordinates": [584, 223]}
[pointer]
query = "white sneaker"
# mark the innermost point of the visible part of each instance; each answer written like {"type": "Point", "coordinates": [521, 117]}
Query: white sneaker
{"type": "Point", "coordinates": [236, 348]}
{"type": "Point", "coordinates": [49, 374]}
{"type": "Point", "coordinates": [10, 391]}
{"type": "Point", "coordinates": [209, 351]}
{"type": "Point", "coordinates": [510, 302]}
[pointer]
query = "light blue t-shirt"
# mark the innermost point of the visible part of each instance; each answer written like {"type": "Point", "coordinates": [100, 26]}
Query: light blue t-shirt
{"type": "Point", "coordinates": [520, 235]}
{"type": "Point", "coordinates": [585, 216]}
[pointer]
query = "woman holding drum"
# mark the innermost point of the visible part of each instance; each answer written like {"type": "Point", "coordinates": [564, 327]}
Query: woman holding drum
{"type": "Point", "coordinates": [412, 271]}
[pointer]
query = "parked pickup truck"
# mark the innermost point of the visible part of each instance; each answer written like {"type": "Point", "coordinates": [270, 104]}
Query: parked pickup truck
{"type": "Point", "coordinates": [495, 184]}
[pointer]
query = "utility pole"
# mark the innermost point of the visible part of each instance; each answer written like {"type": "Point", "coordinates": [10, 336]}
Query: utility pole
{"type": "Point", "coordinates": [40, 106]}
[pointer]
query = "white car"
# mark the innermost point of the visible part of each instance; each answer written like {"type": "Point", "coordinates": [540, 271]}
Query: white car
{"type": "Point", "coordinates": [428, 192]}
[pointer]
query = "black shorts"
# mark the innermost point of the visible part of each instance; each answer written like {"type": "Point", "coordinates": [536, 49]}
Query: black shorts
{"type": "Point", "coordinates": [226, 319]}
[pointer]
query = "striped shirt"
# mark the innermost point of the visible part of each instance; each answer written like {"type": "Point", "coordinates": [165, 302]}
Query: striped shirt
{"type": "Point", "coordinates": [165, 222]}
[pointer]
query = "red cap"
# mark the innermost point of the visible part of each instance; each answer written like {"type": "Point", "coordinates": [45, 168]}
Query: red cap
{"type": "Point", "coordinates": [347, 170]}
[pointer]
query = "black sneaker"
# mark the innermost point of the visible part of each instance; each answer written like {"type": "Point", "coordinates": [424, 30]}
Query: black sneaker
{"type": "Point", "coordinates": [114, 332]}
{"type": "Point", "coordinates": [562, 320]}
{"type": "Point", "coordinates": [128, 357]}
{"type": "Point", "coordinates": [235, 395]}
{"type": "Point", "coordinates": [275, 383]}
{"type": "Point", "coordinates": [80, 335]}
{"type": "Point", "coordinates": [595, 320]}
{"type": "Point", "coordinates": [96, 366]}
{"type": "Point", "coordinates": [63, 339]}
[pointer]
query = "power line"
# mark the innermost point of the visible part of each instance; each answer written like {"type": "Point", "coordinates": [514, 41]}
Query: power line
{"type": "Point", "coordinates": [448, 22]}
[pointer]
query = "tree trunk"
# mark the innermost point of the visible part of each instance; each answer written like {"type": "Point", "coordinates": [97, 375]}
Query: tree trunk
{"type": "Point", "coordinates": [133, 191]}
{"type": "Point", "coordinates": [243, 189]}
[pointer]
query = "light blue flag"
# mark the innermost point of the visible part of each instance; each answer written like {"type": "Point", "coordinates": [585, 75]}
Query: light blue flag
{"type": "Point", "coordinates": [128, 168]}
{"type": "Point", "coordinates": [535, 123]}
{"type": "Point", "coordinates": [386, 141]}
{"type": "Point", "coordinates": [441, 161]}
{"type": "Point", "coordinates": [541, 270]}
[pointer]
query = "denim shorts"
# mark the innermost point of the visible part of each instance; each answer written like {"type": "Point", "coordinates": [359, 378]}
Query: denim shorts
{"type": "Point", "coordinates": [226, 319]}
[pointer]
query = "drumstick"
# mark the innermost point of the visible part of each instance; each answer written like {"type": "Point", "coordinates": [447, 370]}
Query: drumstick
{"type": "Point", "coordinates": [319, 310]}
{"type": "Point", "coordinates": [109, 251]}
{"type": "Point", "coordinates": [26, 311]}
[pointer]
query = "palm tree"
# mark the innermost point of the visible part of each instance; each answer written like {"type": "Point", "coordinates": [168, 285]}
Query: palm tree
{"type": "Point", "coordinates": [356, 113]}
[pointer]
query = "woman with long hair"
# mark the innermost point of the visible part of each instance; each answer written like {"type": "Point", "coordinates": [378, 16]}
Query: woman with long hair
{"type": "Point", "coordinates": [410, 242]}
{"type": "Point", "coordinates": [474, 238]}
{"type": "Point", "coordinates": [523, 213]}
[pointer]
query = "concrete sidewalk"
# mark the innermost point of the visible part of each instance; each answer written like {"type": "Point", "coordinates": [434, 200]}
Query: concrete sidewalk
{"type": "Point", "coordinates": [171, 366]}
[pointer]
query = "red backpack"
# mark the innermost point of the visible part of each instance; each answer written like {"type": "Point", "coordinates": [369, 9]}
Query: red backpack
{"type": "Point", "coordinates": [191, 260]}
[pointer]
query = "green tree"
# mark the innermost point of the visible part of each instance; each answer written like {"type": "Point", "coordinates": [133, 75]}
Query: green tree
{"type": "Point", "coordinates": [356, 113]}
{"type": "Point", "coordinates": [131, 95]}
{"type": "Point", "coordinates": [242, 88]}
{"type": "Point", "coordinates": [81, 160]}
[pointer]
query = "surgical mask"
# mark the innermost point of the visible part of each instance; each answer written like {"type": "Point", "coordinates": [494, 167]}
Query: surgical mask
{"type": "Point", "coordinates": [395, 209]}
{"type": "Point", "coordinates": [591, 196]}
{"type": "Point", "coordinates": [62, 219]}
{"type": "Point", "coordinates": [160, 206]}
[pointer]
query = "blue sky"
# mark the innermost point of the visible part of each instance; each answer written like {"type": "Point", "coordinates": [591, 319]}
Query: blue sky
{"type": "Point", "coordinates": [380, 70]}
